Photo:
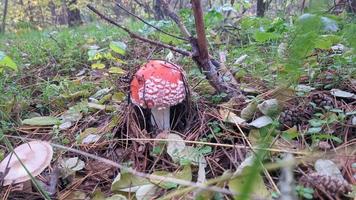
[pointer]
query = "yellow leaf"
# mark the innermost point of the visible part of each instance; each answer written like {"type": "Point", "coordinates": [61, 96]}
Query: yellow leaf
{"type": "Point", "coordinates": [109, 56]}
{"type": "Point", "coordinates": [120, 61]}
{"type": "Point", "coordinates": [90, 41]}
{"type": "Point", "coordinates": [118, 97]}
{"type": "Point", "coordinates": [97, 66]}
{"type": "Point", "coordinates": [116, 70]}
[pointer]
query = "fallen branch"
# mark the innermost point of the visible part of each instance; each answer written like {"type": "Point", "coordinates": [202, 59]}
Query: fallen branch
{"type": "Point", "coordinates": [134, 35]}
{"type": "Point", "coordinates": [137, 173]}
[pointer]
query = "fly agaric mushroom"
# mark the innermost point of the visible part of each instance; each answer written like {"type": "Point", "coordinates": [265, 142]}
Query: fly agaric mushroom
{"type": "Point", "coordinates": [35, 155]}
{"type": "Point", "coordinates": [158, 85]}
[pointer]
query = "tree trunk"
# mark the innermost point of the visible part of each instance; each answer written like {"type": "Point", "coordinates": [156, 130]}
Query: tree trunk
{"type": "Point", "coordinates": [30, 12]}
{"type": "Point", "coordinates": [74, 18]}
{"type": "Point", "coordinates": [261, 7]}
{"type": "Point", "coordinates": [63, 16]}
{"type": "Point", "coordinates": [52, 8]}
{"type": "Point", "coordinates": [181, 4]}
{"type": "Point", "coordinates": [3, 26]}
{"type": "Point", "coordinates": [351, 8]}
{"type": "Point", "coordinates": [145, 6]}
{"type": "Point", "coordinates": [42, 17]}
{"type": "Point", "coordinates": [159, 15]}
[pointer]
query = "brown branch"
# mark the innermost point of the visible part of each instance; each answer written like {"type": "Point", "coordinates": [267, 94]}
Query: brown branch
{"type": "Point", "coordinates": [142, 20]}
{"type": "Point", "coordinates": [134, 35]}
{"type": "Point", "coordinates": [219, 76]}
{"type": "Point", "coordinates": [169, 11]}
{"type": "Point", "coordinates": [199, 25]}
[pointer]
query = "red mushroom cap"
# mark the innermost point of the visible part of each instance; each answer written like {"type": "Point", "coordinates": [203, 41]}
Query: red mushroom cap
{"type": "Point", "coordinates": [158, 84]}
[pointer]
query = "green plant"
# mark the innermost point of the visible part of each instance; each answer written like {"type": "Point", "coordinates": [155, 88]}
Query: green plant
{"type": "Point", "coordinates": [6, 63]}
{"type": "Point", "coordinates": [304, 192]}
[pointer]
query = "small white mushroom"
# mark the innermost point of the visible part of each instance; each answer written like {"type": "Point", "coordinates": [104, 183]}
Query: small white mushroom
{"type": "Point", "coordinates": [35, 155]}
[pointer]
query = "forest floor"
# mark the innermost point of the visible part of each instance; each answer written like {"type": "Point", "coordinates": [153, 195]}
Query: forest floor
{"type": "Point", "coordinates": [314, 121]}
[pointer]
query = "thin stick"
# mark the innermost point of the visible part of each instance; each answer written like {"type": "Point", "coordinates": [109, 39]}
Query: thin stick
{"type": "Point", "coordinates": [169, 11]}
{"type": "Point", "coordinates": [134, 35]}
{"type": "Point", "coordinates": [140, 174]}
{"type": "Point", "coordinates": [144, 175]}
{"type": "Point", "coordinates": [214, 144]}
{"type": "Point", "coordinates": [264, 169]}
{"type": "Point", "coordinates": [142, 20]}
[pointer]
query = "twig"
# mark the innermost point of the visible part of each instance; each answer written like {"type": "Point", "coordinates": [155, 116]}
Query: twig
{"type": "Point", "coordinates": [134, 35]}
{"type": "Point", "coordinates": [142, 20]}
{"type": "Point", "coordinates": [169, 11]}
{"type": "Point", "coordinates": [211, 144]}
{"type": "Point", "coordinates": [144, 175]}
{"type": "Point", "coordinates": [136, 173]}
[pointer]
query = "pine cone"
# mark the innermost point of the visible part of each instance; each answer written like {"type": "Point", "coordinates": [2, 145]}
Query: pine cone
{"type": "Point", "coordinates": [330, 184]}
{"type": "Point", "coordinates": [296, 116]}
{"type": "Point", "coordinates": [322, 99]}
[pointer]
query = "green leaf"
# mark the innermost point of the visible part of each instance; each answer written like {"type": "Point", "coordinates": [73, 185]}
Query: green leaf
{"type": "Point", "coordinates": [291, 133]}
{"type": "Point", "coordinates": [97, 66]}
{"type": "Point", "coordinates": [265, 36]}
{"type": "Point", "coordinates": [314, 130]}
{"type": "Point", "coordinates": [259, 189]}
{"type": "Point", "coordinates": [41, 121]}
{"type": "Point", "coordinates": [212, 18]}
{"type": "Point", "coordinates": [7, 62]}
{"type": "Point", "coordinates": [317, 122]}
{"type": "Point", "coordinates": [323, 43]}
{"type": "Point", "coordinates": [95, 54]}
{"type": "Point", "coordinates": [308, 196]}
{"type": "Point", "coordinates": [349, 35]}
{"type": "Point", "coordinates": [128, 182]}
{"type": "Point", "coordinates": [326, 137]}
{"type": "Point", "coordinates": [185, 174]}
{"type": "Point", "coordinates": [160, 182]}
{"type": "Point", "coordinates": [326, 41]}
{"type": "Point", "coordinates": [116, 70]}
{"type": "Point", "coordinates": [118, 47]}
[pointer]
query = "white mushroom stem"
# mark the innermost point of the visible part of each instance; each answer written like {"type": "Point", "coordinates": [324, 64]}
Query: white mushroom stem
{"type": "Point", "coordinates": [160, 117]}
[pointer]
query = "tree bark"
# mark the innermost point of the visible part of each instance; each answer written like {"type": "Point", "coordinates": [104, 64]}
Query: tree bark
{"type": "Point", "coordinates": [3, 26]}
{"type": "Point", "coordinates": [159, 14]}
{"type": "Point", "coordinates": [351, 8]}
{"type": "Point", "coordinates": [52, 8]}
{"type": "Point", "coordinates": [63, 15]}
{"type": "Point", "coordinates": [74, 18]}
{"type": "Point", "coordinates": [145, 6]}
{"type": "Point", "coordinates": [30, 12]}
{"type": "Point", "coordinates": [261, 7]}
